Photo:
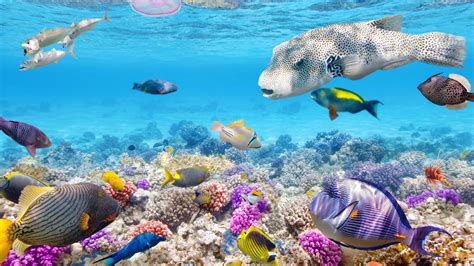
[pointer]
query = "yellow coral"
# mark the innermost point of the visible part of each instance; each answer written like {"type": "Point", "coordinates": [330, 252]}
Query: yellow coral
{"type": "Point", "coordinates": [113, 179]}
{"type": "Point", "coordinates": [398, 254]}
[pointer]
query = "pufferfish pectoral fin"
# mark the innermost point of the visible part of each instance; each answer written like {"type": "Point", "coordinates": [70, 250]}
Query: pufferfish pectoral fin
{"type": "Point", "coordinates": [349, 66]}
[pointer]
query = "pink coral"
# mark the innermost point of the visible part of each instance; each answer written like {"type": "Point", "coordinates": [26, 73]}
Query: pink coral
{"type": "Point", "coordinates": [317, 245]}
{"type": "Point", "coordinates": [154, 227]}
{"type": "Point", "coordinates": [123, 196]}
{"type": "Point", "coordinates": [243, 217]}
{"type": "Point", "coordinates": [219, 195]}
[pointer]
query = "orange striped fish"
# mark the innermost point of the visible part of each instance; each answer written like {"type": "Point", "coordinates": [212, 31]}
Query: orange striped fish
{"type": "Point", "coordinates": [57, 216]}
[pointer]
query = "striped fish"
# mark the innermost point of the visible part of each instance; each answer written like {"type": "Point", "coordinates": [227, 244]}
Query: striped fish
{"type": "Point", "coordinates": [25, 135]}
{"type": "Point", "coordinates": [57, 216]}
{"type": "Point", "coordinates": [239, 136]}
{"type": "Point", "coordinates": [361, 215]}
{"type": "Point", "coordinates": [258, 245]}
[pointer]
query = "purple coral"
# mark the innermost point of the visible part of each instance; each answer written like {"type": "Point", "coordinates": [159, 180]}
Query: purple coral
{"type": "Point", "coordinates": [448, 195]}
{"type": "Point", "coordinates": [238, 169]}
{"type": "Point", "coordinates": [385, 175]}
{"type": "Point", "coordinates": [317, 245]}
{"type": "Point", "coordinates": [96, 241]}
{"type": "Point", "coordinates": [244, 217]}
{"type": "Point", "coordinates": [237, 200]}
{"type": "Point", "coordinates": [36, 256]}
{"type": "Point", "coordinates": [143, 184]}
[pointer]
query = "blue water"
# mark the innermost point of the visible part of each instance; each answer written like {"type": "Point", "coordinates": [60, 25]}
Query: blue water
{"type": "Point", "coordinates": [215, 57]}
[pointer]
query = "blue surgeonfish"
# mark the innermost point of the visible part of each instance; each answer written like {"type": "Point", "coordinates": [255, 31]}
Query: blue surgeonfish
{"type": "Point", "coordinates": [361, 215]}
{"type": "Point", "coordinates": [140, 243]}
{"type": "Point", "coordinates": [341, 100]}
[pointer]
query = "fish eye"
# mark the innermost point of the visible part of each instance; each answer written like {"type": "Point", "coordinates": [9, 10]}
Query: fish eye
{"type": "Point", "coordinates": [298, 63]}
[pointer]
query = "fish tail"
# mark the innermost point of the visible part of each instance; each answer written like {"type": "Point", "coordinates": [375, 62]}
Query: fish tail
{"type": "Point", "coordinates": [470, 97]}
{"type": "Point", "coordinates": [135, 86]}
{"type": "Point", "coordinates": [418, 239]}
{"type": "Point", "coordinates": [106, 17]}
{"type": "Point", "coordinates": [5, 238]}
{"type": "Point", "coordinates": [371, 107]}
{"type": "Point", "coordinates": [216, 126]}
{"type": "Point", "coordinates": [71, 51]}
{"type": "Point", "coordinates": [109, 261]}
{"type": "Point", "coordinates": [440, 49]}
{"type": "Point", "coordinates": [168, 178]}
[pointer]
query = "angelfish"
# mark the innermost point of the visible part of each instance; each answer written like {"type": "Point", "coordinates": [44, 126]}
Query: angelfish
{"type": "Point", "coordinates": [238, 135]}
{"type": "Point", "coordinates": [353, 51]}
{"type": "Point", "coordinates": [452, 92]}
{"type": "Point", "coordinates": [58, 216]}
{"type": "Point", "coordinates": [358, 214]}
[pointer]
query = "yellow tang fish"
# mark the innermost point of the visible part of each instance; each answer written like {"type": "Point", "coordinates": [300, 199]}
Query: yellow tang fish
{"type": "Point", "coordinates": [258, 245]}
{"type": "Point", "coordinates": [57, 216]}
{"type": "Point", "coordinates": [341, 100]}
{"type": "Point", "coordinates": [113, 180]}
{"type": "Point", "coordinates": [239, 136]}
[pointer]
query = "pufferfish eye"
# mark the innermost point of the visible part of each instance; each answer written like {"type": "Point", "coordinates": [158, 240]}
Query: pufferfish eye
{"type": "Point", "coordinates": [298, 63]}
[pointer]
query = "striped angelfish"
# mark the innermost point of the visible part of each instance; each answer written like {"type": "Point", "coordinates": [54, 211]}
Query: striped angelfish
{"type": "Point", "coordinates": [57, 216]}
{"type": "Point", "coordinates": [25, 135]}
{"type": "Point", "coordinates": [361, 215]}
{"type": "Point", "coordinates": [239, 136]}
{"type": "Point", "coordinates": [258, 246]}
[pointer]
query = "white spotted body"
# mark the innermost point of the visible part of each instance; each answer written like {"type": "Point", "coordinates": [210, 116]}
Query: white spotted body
{"type": "Point", "coordinates": [355, 50]}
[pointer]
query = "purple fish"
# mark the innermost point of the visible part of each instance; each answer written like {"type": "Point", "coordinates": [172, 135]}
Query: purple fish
{"type": "Point", "coordinates": [155, 87]}
{"type": "Point", "coordinates": [453, 91]}
{"type": "Point", "coordinates": [25, 135]}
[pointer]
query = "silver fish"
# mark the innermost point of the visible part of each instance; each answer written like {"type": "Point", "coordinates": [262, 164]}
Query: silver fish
{"type": "Point", "coordinates": [80, 28]}
{"type": "Point", "coordinates": [45, 58]}
{"type": "Point", "coordinates": [358, 214]}
{"type": "Point", "coordinates": [353, 51]}
{"type": "Point", "coordinates": [45, 38]}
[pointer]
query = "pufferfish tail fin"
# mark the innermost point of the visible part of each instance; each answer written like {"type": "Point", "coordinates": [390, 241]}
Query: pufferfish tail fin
{"type": "Point", "coordinates": [420, 233]}
{"type": "Point", "coordinates": [439, 49]}
{"type": "Point", "coordinates": [5, 239]}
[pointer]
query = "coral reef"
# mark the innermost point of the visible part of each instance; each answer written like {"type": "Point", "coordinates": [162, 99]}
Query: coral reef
{"type": "Point", "coordinates": [243, 217]}
{"type": "Point", "coordinates": [122, 196]}
{"type": "Point", "coordinates": [219, 195]}
{"type": "Point", "coordinates": [37, 255]}
{"type": "Point", "coordinates": [317, 245]}
{"type": "Point", "coordinates": [385, 175]}
{"type": "Point", "coordinates": [154, 227]}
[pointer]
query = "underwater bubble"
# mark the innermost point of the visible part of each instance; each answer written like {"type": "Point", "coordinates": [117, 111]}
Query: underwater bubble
{"type": "Point", "coordinates": [156, 8]}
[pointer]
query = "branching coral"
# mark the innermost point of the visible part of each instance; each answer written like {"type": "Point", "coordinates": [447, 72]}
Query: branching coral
{"type": "Point", "coordinates": [100, 241]}
{"type": "Point", "coordinates": [154, 227]}
{"type": "Point", "coordinates": [385, 175]}
{"type": "Point", "coordinates": [296, 213]}
{"type": "Point", "coordinates": [37, 255]}
{"type": "Point", "coordinates": [215, 164]}
{"type": "Point", "coordinates": [319, 246]}
{"type": "Point", "coordinates": [357, 150]}
{"type": "Point", "coordinates": [219, 195]}
{"type": "Point", "coordinates": [122, 196]}
{"type": "Point", "coordinates": [244, 217]}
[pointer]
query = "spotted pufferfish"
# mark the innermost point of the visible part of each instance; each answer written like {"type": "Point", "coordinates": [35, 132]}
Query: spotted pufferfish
{"type": "Point", "coordinates": [353, 51]}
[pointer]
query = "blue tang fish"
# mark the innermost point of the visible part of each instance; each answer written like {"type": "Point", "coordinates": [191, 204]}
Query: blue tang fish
{"type": "Point", "coordinates": [140, 243]}
{"type": "Point", "coordinates": [360, 215]}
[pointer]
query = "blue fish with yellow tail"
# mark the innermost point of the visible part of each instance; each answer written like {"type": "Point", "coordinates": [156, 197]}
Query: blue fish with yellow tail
{"type": "Point", "coordinates": [140, 243]}
{"type": "Point", "coordinates": [361, 215]}
{"type": "Point", "coordinates": [341, 100]}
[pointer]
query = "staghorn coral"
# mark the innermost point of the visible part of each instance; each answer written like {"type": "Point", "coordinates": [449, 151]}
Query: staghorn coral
{"type": "Point", "coordinates": [385, 175]}
{"type": "Point", "coordinates": [301, 166]}
{"type": "Point", "coordinates": [317, 245]}
{"type": "Point", "coordinates": [296, 213]}
{"type": "Point", "coordinates": [358, 150]}
{"type": "Point", "coordinates": [215, 164]}
{"type": "Point", "coordinates": [411, 163]}
{"type": "Point", "coordinates": [173, 206]}
{"type": "Point", "coordinates": [244, 217]}
{"type": "Point", "coordinates": [219, 195]}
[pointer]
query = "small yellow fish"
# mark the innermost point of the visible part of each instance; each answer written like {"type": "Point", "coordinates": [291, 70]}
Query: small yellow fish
{"type": "Point", "coordinates": [258, 246]}
{"type": "Point", "coordinates": [244, 176]}
{"type": "Point", "coordinates": [234, 263]}
{"type": "Point", "coordinates": [310, 193]}
{"type": "Point", "coordinates": [168, 149]}
{"type": "Point", "coordinates": [201, 198]}
{"type": "Point", "coordinates": [464, 154]}
{"type": "Point", "coordinates": [113, 180]}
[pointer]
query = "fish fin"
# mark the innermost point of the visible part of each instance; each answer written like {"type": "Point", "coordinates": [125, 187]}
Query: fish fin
{"type": "Point", "coordinates": [238, 123]}
{"type": "Point", "coordinates": [71, 51]}
{"type": "Point", "coordinates": [459, 106]}
{"type": "Point", "coordinates": [168, 178]}
{"type": "Point", "coordinates": [351, 66]}
{"type": "Point", "coordinates": [204, 168]}
{"type": "Point", "coordinates": [470, 97]}
{"type": "Point", "coordinates": [9, 176]}
{"type": "Point", "coordinates": [5, 238]}
{"type": "Point", "coordinates": [177, 175]}
{"type": "Point", "coordinates": [106, 17]}
{"type": "Point", "coordinates": [391, 23]}
{"type": "Point", "coordinates": [256, 233]}
{"type": "Point", "coordinates": [371, 107]}
{"type": "Point", "coordinates": [28, 196]}
{"type": "Point", "coordinates": [345, 213]}
{"type": "Point", "coordinates": [417, 240]}
{"type": "Point", "coordinates": [109, 260]}
{"type": "Point", "coordinates": [271, 256]}
{"type": "Point", "coordinates": [216, 126]}
{"type": "Point", "coordinates": [397, 63]}
{"type": "Point", "coordinates": [450, 50]}
{"type": "Point", "coordinates": [256, 193]}
{"type": "Point", "coordinates": [332, 112]}
{"type": "Point", "coordinates": [19, 247]}
{"type": "Point", "coordinates": [363, 248]}
{"type": "Point", "coordinates": [31, 150]}
{"type": "Point", "coordinates": [464, 82]}
{"type": "Point", "coordinates": [84, 221]}
{"type": "Point", "coordinates": [399, 236]}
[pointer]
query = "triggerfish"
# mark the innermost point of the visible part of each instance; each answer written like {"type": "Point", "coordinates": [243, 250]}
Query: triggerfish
{"type": "Point", "coordinates": [113, 180]}
{"type": "Point", "coordinates": [187, 177]}
{"type": "Point", "coordinates": [353, 51]}
{"type": "Point", "coordinates": [258, 245]}
{"type": "Point", "coordinates": [140, 243]}
{"type": "Point", "coordinates": [57, 216]}
{"type": "Point", "coordinates": [155, 86]}
{"type": "Point", "coordinates": [452, 92]}
{"type": "Point", "coordinates": [341, 100]}
{"type": "Point", "coordinates": [13, 183]}
{"type": "Point", "coordinates": [26, 135]}
{"type": "Point", "coordinates": [239, 136]}
{"type": "Point", "coordinates": [361, 215]}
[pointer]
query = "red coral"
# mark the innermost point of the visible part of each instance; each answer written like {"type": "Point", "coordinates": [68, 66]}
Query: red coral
{"type": "Point", "coordinates": [154, 227]}
{"type": "Point", "coordinates": [219, 195]}
{"type": "Point", "coordinates": [123, 196]}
